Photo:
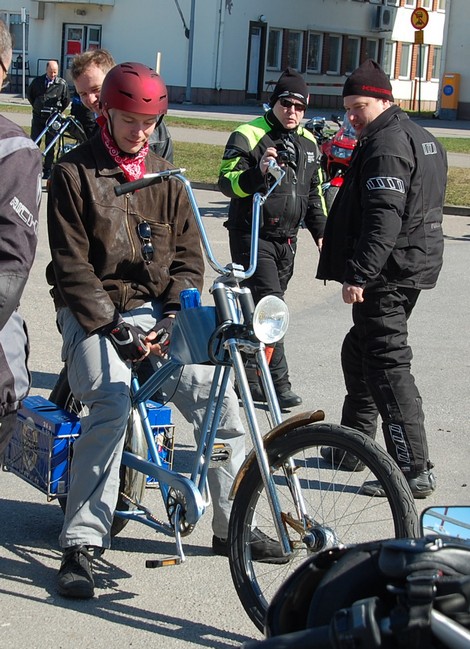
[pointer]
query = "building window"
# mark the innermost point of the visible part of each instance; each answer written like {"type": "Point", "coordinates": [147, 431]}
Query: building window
{"type": "Point", "coordinates": [274, 49]}
{"type": "Point", "coordinates": [410, 3]}
{"type": "Point", "coordinates": [353, 47]}
{"type": "Point", "coordinates": [392, 3]}
{"type": "Point", "coordinates": [389, 57]}
{"type": "Point", "coordinates": [334, 54]}
{"type": "Point", "coordinates": [427, 4]}
{"type": "Point", "coordinates": [436, 63]}
{"type": "Point", "coordinates": [405, 61]}
{"type": "Point", "coordinates": [294, 49]}
{"type": "Point", "coordinates": [422, 62]}
{"type": "Point", "coordinates": [314, 52]}
{"type": "Point", "coordinates": [441, 5]}
{"type": "Point", "coordinates": [372, 49]}
{"type": "Point", "coordinates": [13, 21]}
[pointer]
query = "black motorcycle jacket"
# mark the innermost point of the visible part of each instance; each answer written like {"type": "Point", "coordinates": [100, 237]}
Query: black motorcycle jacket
{"type": "Point", "coordinates": [385, 224]}
{"type": "Point", "coordinates": [298, 197]}
{"type": "Point", "coordinates": [56, 95]}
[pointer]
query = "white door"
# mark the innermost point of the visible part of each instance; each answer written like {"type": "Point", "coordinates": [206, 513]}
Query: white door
{"type": "Point", "coordinates": [254, 60]}
{"type": "Point", "coordinates": [78, 39]}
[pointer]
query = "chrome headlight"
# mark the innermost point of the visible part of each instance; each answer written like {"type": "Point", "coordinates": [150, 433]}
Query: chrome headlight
{"type": "Point", "coordinates": [271, 319]}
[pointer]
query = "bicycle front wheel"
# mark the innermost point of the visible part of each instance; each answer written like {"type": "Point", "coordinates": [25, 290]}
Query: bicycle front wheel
{"type": "Point", "coordinates": [337, 513]}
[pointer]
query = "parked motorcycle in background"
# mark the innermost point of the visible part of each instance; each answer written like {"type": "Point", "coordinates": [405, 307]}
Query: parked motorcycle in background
{"type": "Point", "coordinates": [336, 150]}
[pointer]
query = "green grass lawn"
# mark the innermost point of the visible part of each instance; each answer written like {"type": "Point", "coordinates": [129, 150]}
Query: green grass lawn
{"type": "Point", "coordinates": [458, 187]}
{"type": "Point", "coordinates": [202, 161]}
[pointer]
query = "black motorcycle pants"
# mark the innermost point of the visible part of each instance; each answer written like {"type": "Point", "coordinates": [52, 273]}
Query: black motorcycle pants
{"type": "Point", "coordinates": [274, 270]}
{"type": "Point", "coordinates": [37, 126]}
{"type": "Point", "coordinates": [376, 361]}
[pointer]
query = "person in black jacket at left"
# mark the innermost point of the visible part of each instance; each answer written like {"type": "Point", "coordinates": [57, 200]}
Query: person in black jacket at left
{"type": "Point", "coordinates": [20, 197]}
{"type": "Point", "coordinates": [46, 93]}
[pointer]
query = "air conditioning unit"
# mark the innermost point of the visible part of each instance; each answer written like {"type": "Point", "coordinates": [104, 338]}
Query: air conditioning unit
{"type": "Point", "coordinates": [382, 19]}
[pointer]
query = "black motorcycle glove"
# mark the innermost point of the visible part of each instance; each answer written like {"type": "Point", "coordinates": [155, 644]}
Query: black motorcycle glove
{"type": "Point", "coordinates": [163, 330]}
{"type": "Point", "coordinates": [128, 341]}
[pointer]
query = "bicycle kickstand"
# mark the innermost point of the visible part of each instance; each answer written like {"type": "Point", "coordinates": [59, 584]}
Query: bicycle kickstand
{"type": "Point", "coordinates": [165, 561]}
{"type": "Point", "coordinates": [175, 560]}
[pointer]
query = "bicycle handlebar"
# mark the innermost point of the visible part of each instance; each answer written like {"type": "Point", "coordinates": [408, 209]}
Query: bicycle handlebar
{"type": "Point", "coordinates": [305, 639]}
{"type": "Point", "coordinates": [146, 181]}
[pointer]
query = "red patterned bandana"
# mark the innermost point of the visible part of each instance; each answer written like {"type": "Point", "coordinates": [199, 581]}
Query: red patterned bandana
{"type": "Point", "coordinates": [132, 165]}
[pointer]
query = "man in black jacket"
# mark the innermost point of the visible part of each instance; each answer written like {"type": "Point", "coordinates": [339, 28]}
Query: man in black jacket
{"type": "Point", "coordinates": [277, 135]}
{"type": "Point", "coordinates": [384, 243]}
{"type": "Point", "coordinates": [47, 93]}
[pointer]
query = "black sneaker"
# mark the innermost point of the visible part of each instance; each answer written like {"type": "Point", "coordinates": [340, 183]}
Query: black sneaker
{"type": "Point", "coordinates": [75, 578]}
{"type": "Point", "coordinates": [263, 548]}
{"type": "Point", "coordinates": [421, 486]}
{"type": "Point", "coordinates": [339, 459]}
{"type": "Point", "coordinates": [257, 393]}
{"type": "Point", "coordinates": [288, 399]}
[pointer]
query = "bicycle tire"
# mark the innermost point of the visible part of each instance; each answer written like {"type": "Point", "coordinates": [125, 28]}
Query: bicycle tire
{"type": "Point", "coordinates": [132, 482]}
{"type": "Point", "coordinates": [332, 499]}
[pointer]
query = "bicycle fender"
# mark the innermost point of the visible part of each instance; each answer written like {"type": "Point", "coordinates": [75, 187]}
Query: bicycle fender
{"type": "Point", "coordinates": [302, 419]}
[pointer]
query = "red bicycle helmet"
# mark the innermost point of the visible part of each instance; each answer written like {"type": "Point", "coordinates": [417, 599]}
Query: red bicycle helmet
{"type": "Point", "coordinates": [135, 88]}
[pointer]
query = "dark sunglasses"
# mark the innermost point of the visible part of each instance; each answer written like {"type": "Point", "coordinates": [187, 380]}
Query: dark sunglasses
{"type": "Point", "coordinates": [145, 234]}
{"type": "Point", "coordinates": [6, 79]}
{"type": "Point", "coordinates": [287, 103]}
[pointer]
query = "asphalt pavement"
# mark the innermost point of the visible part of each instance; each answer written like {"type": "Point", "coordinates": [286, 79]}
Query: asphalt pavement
{"type": "Point", "coordinates": [195, 604]}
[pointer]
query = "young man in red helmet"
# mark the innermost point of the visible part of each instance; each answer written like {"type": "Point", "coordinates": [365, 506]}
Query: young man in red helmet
{"type": "Point", "coordinates": [118, 266]}
{"type": "Point", "coordinates": [88, 71]}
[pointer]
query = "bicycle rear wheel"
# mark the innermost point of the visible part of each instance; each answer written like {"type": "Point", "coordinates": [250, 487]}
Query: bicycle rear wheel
{"type": "Point", "coordinates": [132, 482]}
{"type": "Point", "coordinates": [338, 513]}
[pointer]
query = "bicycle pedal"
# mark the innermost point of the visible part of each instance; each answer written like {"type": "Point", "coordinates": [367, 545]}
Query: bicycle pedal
{"type": "Point", "coordinates": [163, 563]}
{"type": "Point", "coordinates": [221, 453]}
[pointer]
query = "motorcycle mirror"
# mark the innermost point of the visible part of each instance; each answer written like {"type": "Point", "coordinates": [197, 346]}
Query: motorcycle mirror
{"type": "Point", "coordinates": [447, 521]}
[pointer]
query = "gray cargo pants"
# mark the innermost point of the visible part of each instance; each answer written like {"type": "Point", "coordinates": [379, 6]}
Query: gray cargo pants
{"type": "Point", "coordinates": [100, 379]}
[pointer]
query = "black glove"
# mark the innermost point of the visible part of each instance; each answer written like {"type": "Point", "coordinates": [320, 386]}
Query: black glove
{"type": "Point", "coordinates": [128, 341]}
{"type": "Point", "coordinates": [163, 330]}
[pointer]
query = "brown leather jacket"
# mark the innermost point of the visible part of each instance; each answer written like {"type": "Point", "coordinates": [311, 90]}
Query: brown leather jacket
{"type": "Point", "coordinates": [97, 267]}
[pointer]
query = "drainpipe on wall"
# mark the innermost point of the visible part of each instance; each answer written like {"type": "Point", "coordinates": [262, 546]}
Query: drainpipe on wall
{"type": "Point", "coordinates": [220, 41]}
{"type": "Point", "coordinates": [190, 54]}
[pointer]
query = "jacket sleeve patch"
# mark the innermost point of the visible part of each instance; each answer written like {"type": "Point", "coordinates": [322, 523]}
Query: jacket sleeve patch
{"type": "Point", "coordinates": [386, 182]}
{"type": "Point", "coordinates": [429, 148]}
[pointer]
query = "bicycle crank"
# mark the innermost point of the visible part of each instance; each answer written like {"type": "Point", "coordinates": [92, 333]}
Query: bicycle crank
{"type": "Point", "coordinates": [176, 509]}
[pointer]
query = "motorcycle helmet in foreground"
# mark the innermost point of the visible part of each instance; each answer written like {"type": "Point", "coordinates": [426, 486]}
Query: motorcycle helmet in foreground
{"type": "Point", "coordinates": [394, 593]}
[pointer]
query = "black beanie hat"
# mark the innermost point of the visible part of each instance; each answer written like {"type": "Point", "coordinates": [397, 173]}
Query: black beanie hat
{"type": "Point", "coordinates": [368, 80]}
{"type": "Point", "coordinates": [290, 84]}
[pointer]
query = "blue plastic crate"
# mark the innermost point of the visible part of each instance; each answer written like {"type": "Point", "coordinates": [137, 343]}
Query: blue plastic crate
{"type": "Point", "coordinates": [40, 449]}
{"type": "Point", "coordinates": [162, 427]}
